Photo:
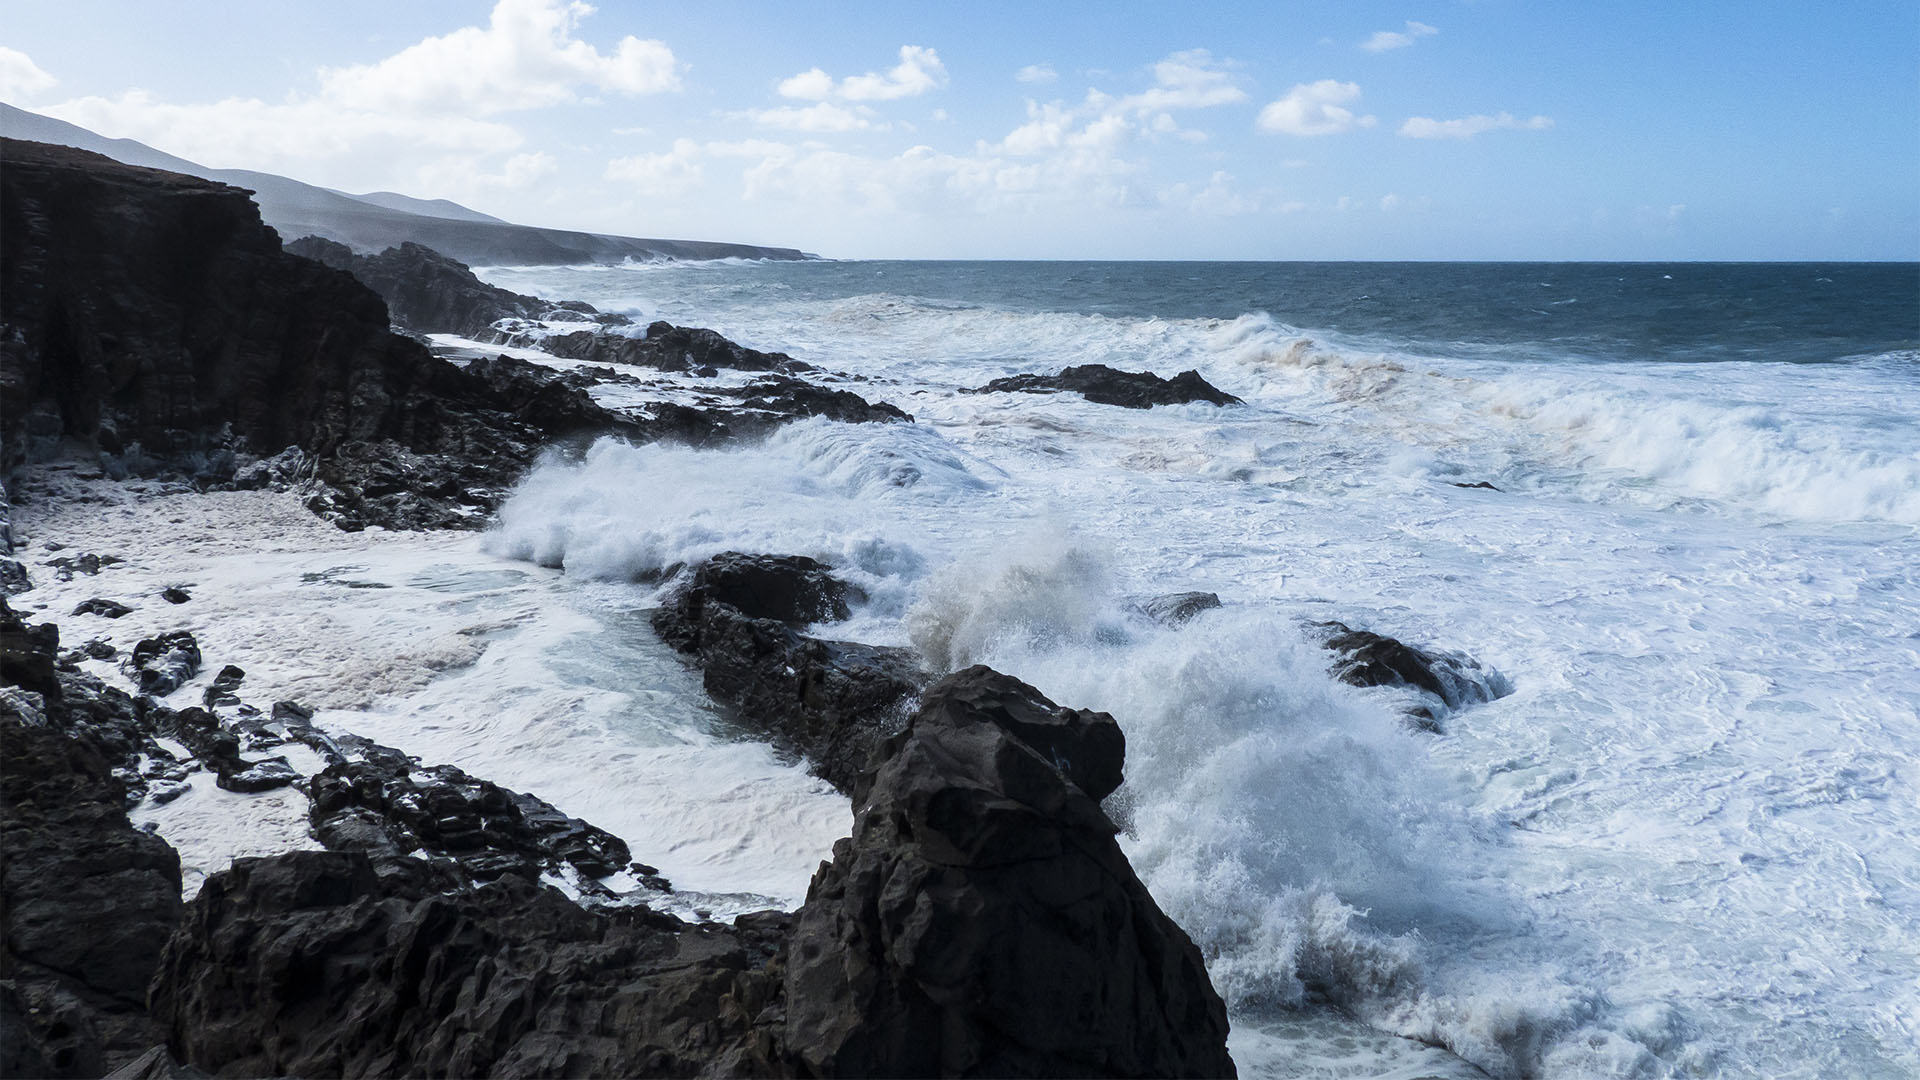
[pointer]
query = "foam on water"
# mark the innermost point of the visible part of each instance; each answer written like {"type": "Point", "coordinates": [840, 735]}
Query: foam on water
{"type": "Point", "coordinates": [1686, 843]}
{"type": "Point", "coordinates": [424, 642]}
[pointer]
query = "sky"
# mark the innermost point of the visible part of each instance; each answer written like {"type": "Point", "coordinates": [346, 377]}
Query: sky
{"type": "Point", "coordinates": [1456, 129]}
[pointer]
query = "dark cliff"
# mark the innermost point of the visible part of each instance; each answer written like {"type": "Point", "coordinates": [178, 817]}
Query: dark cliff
{"type": "Point", "coordinates": [155, 308]}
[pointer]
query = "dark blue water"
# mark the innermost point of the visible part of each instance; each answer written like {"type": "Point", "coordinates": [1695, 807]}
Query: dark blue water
{"type": "Point", "coordinates": [1690, 312]}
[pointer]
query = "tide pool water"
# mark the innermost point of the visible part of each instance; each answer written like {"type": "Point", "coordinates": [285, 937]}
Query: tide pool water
{"type": "Point", "coordinates": [1688, 843]}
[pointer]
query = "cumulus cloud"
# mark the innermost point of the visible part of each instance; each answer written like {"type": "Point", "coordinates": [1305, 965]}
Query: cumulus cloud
{"type": "Point", "coordinates": [1383, 40]}
{"type": "Point", "coordinates": [526, 57]}
{"type": "Point", "coordinates": [1186, 80]}
{"type": "Point", "coordinates": [821, 118]}
{"type": "Point", "coordinates": [1316, 108]}
{"type": "Point", "coordinates": [1036, 73]}
{"type": "Point", "coordinates": [255, 134]}
{"type": "Point", "coordinates": [420, 115]}
{"type": "Point", "coordinates": [20, 77]}
{"type": "Point", "coordinates": [918, 71]}
{"type": "Point", "coordinates": [673, 172]}
{"type": "Point", "coordinates": [1466, 127]}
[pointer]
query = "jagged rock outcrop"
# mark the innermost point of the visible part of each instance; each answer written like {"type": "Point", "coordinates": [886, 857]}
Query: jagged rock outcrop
{"type": "Point", "coordinates": [1103, 385]}
{"type": "Point", "coordinates": [831, 702]}
{"type": "Point", "coordinates": [1446, 681]}
{"type": "Point", "coordinates": [384, 802]}
{"type": "Point", "coordinates": [338, 964]}
{"type": "Point", "coordinates": [982, 920]}
{"type": "Point", "coordinates": [428, 293]}
{"type": "Point", "coordinates": [89, 901]}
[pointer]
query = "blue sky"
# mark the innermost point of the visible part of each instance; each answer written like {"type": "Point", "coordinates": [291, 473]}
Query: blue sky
{"type": "Point", "coordinates": [1455, 130]}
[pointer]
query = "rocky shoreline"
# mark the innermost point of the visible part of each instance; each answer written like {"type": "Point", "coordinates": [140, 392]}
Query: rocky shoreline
{"type": "Point", "coordinates": [979, 920]}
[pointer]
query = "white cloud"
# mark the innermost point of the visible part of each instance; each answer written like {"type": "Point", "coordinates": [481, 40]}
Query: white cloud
{"type": "Point", "coordinates": [1036, 73]}
{"type": "Point", "coordinates": [1316, 108]}
{"type": "Point", "coordinates": [674, 172]}
{"type": "Point", "coordinates": [1466, 127]}
{"type": "Point", "coordinates": [821, 118]}
{"type": "Point", "coordinates": [254, 134]}
{"type": "Point", "coordinates": [526, 57]}
{"type": "Point", "coordinates": [1186, 80]}
{"type": "Point", "coordinates": [20, 77]}
{"type": "Point", "coordinates": [1383, 40]}
{"type": "Point", "coordinates": [918, 71]}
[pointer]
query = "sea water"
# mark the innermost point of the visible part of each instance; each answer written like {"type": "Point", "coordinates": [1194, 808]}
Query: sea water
{"type": "Point", "coordinates": [1688, 843]}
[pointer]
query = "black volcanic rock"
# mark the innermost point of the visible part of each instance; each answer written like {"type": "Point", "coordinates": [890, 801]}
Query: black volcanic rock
{"type": "Point", "coordinates": [667, 347]}
{"type": "Point", "coordinates": [428, 293]}
{"type": "Point", "coordinates": [982, 921]}
{"type": "Point", "coordinates": [338, 964]}
{"type": "Point", "coordinates": [1173, 609]}
{"type": "Point", "coordinates": [1103, 385]}
{"type": "Point", "coordinates": [386, 803]}
{"type": "Point", "coordinates": [106, 609]}
{"type": "Point", "coordinates": [831, 702]}
{"type": "Point", "coordinates": [1453, 681]}
{"type": "Point", "coordinates": [89, 901]}
{"type": "Point", "coordinates": [160, 664]}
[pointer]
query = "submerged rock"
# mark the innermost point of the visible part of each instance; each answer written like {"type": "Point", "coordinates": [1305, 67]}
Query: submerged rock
{"type": "Point", "coordinates": [1103, 385]}
{"type": "Point", "coordinates": [175, 595]}
{"type": "Point", "coordinates": [106, 609]}
{"type": "Point", "coordinates": [1451, 680]}
{"type": "Point", "coordinates": [162, 663]}
{"type": "Point", "coordinates": [982, 920]}
{"type": "Point", "coordinates": [1173, 609]}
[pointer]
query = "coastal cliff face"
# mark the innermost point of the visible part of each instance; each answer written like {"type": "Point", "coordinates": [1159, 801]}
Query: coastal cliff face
{"type": "Point", "coordinates": [152, 308]}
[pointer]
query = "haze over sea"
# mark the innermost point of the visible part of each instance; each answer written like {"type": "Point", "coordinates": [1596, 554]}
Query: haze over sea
{"type": "Point", "coordinates": [1685, 842]}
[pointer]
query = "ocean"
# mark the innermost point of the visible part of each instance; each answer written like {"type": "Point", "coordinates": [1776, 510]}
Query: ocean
{"type": "Point", "coordinates": [1687, 842]}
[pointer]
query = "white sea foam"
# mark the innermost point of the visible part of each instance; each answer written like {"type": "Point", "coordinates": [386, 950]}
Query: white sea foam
{"type": "Point", "coordinates": [1685, 843]}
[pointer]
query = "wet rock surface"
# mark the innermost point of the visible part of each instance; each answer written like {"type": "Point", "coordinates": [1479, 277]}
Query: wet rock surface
{"type": "Point", "coordinates": [982, 921]}
{"type": "Point", "coordinates": [1448, 681]}
{"type": "Point", "coordinates": [161, 664]}
{"type": "Point", "coordinates": [831, 702]}
{"type": "Point", "coordinates": [1173, 609]}
{"type": "Point", "coordinates": [666, 347]}
{"type": "Point", "coordinates": [89, 900]}
{"type": "Point", "coordinates": [106, 609]}
{"type": "Point", "coordinates": [1103, 385]}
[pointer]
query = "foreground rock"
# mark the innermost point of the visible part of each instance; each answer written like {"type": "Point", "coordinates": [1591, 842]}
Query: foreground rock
{"type": "Point", "coordinates": [1103, 385]}
{"type": "Point", "coordinates": [1446, 681]}
{"type": "Point", "coordinates": [89, 901]}
{"type": "Point", "coordinates": [831, 702]}
{"type": "Point", "coordinates": [428, 293]}
{"type": "Point", "coordinates": [980, 921]}
{"type": "Point", "coordinates": [338, 964]}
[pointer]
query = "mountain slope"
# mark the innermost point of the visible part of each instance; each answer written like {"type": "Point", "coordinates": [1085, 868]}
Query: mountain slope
{"type": "Point", "coordinates": [380, 220]}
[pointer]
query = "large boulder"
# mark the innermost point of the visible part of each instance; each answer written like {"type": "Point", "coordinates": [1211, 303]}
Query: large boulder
{"type": "Point", "coordinates": [1103, 385]}
{"type": "Point", "coordinates": [667, 347]}
{"type": "Point", "coordinates": [982, 920]}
